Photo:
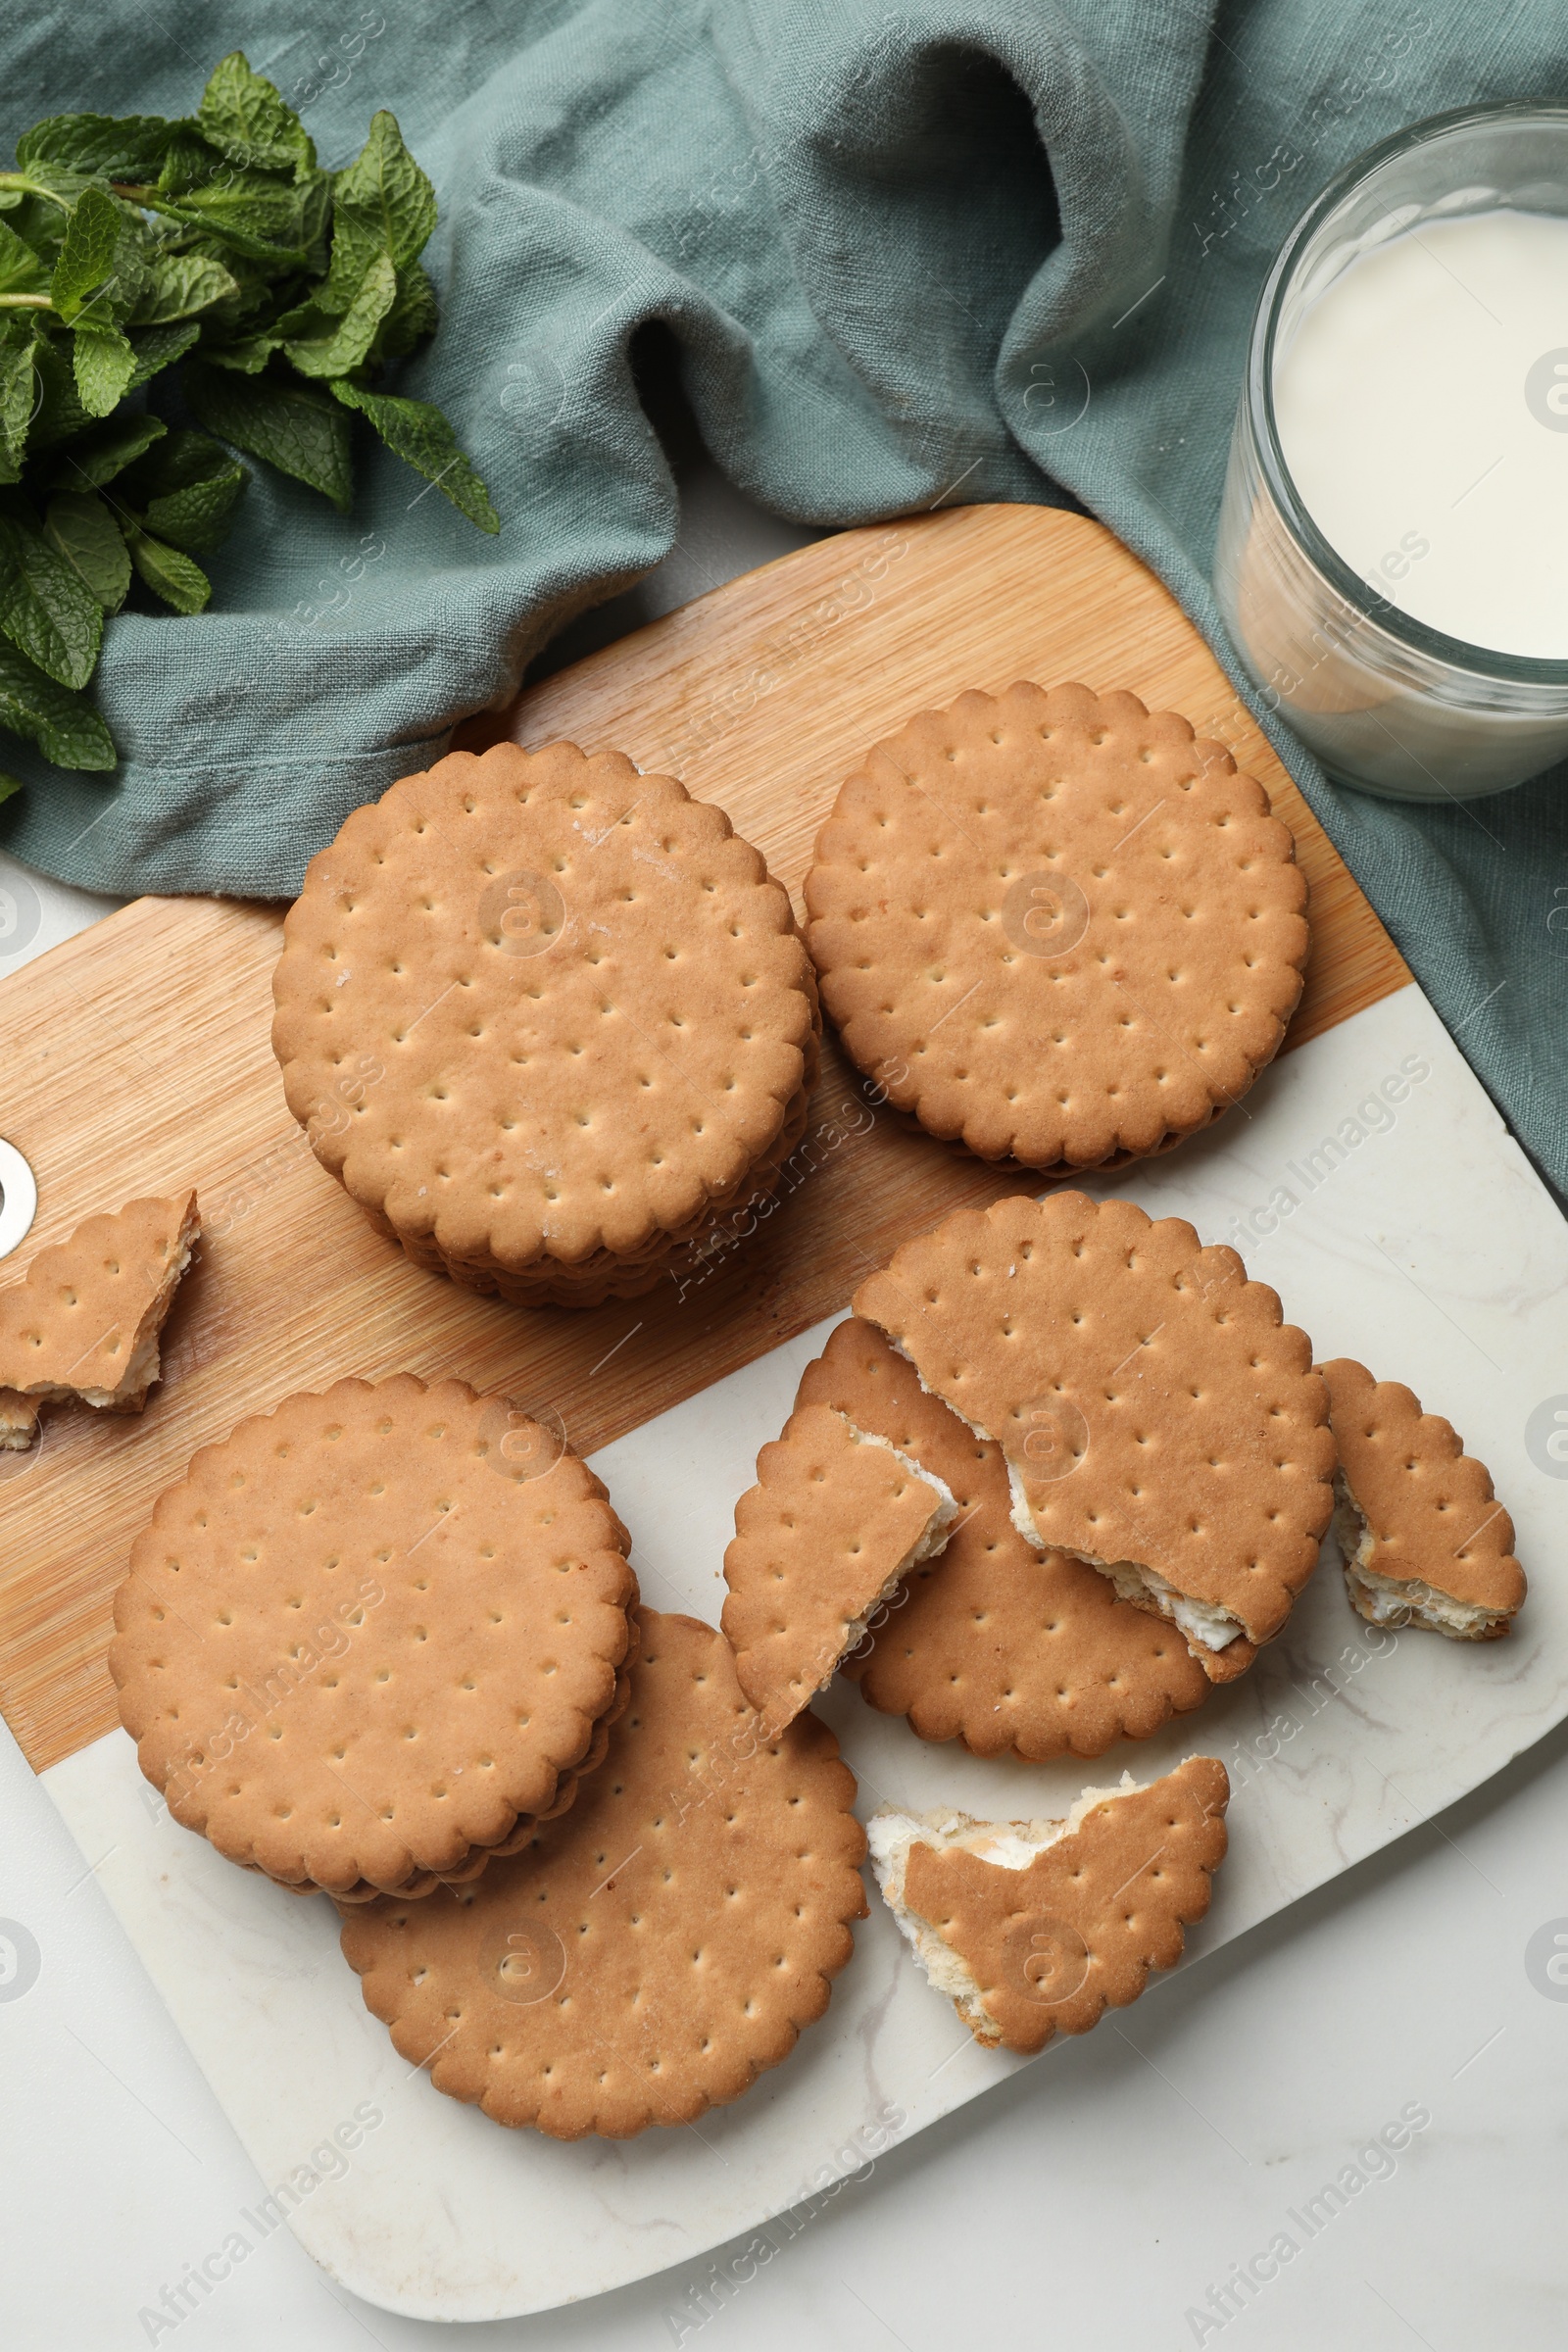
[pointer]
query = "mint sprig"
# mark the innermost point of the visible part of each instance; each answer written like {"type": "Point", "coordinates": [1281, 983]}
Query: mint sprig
{"type": "Point", "coordinates": [216, 245]}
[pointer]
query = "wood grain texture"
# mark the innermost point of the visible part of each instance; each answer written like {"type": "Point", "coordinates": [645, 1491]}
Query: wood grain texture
{"type": "Point", "coordinates": [144, 1064]}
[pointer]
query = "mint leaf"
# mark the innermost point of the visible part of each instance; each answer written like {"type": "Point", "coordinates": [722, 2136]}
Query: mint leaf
{"type": "Point", "coordinates": [178, 460]}
{"type": "Point", "coordinates": [266, 219]}
{"type": "Point", "coordinates": [416, 431]}
{"type": "Point", "coordinates": [99, 146]}
{"type": "Point", "coordinates": [384, 202]}
{"type": "Point", "coordinates": [21, 271]}
{"type": "Point", "coordinates": [179, 284]}
{"type": "Point", "coordinates": [339, 345]}
{"type": "Point", "coordinates": [291, 426]}
{"type": "Point", "coordinates": [66, 730]}
{"type": "Point", "coordinates": [44, 608]}
{"type": "Point", "coordinates": [170, 574]}
{"type": "Point", "coordinates": [246, 358]}
{"type": "Point", "coordinates": [61, 415]}
{"type": "Point", "coordinates": [87, 255]}
{"type": "Point", "coordinates": [196, 519]}
{"type": "Point", "coordinates": [315, 219]}
{"type": "Point", "coordinates": [7, 785]}
{"type": "Point", "coordinates": [104, 362]}
{"type": "Point", "coordinates": [82, 530]}
{"type": "Point", "coordinates": [244, 116]}
{"type": "Point", "coordinates": [62, 182]}
{"type": "Point", "coordinates": [410, 319]}
{"type": "Point", "coordinates": [17, 391]}
{"type": "Point", "coordinates": [99, 457]}
{"type": "Point", "coordinates": [188, 161]}
{"type": "Point", "coordinates": [157, 346]}
{"type": "Point", "coordinates": [187, 486]}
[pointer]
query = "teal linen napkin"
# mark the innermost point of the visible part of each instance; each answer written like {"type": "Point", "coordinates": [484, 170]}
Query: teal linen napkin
{"type": "Point", "coordinates": [938, 252]}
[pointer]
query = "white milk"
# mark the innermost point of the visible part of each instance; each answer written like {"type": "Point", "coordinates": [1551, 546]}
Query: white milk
{"type": "Point", "coordinates": [1423, 413]}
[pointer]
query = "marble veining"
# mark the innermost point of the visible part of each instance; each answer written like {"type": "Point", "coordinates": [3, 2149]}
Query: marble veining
{"type": "Point", "coordinates": [1423, 1244]}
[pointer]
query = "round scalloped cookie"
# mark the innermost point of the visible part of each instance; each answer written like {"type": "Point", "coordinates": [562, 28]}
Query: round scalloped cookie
{"type": "Point", "coordinates": [1056, 927]}
{"type": "Point", "coordinates": [543, 1017]}
{"type": "Point", "coordinates": [356, 1646]}
{"type": "Point", "coordinates": [654, 1950]}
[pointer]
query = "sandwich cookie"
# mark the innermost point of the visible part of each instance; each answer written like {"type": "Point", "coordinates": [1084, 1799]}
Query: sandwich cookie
{"type": "Point", "coordinates": [835, 1523]}
{"type": "Point", "coordinates": [651, 1954]}
{"type": "Point", "coordinates": [997, 1643]}
{"type": "Point", "coordinates": [1056, 927]}
{"type": "Point", "coordinates": [1036, 1927]}
{"type": "Point", "coordinates": [583, 1023]}
{"type": "Point", "coordinates": [374, 1635]}
{"type": "Point", "coordinates": [84, 1321]}
{"type": "Point", "coordinates": [1157, 1417]}
{"type": "Point", "coordinates": [1424, 1538]}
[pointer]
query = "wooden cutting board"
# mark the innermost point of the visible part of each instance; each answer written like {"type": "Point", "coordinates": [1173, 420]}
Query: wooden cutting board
{"type": "Point", "coordinates": [141, 1063]}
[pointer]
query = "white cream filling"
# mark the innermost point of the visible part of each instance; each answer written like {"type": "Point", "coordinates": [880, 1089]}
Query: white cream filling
{"type": "Point", "coordinates": [1202, 1621]}
{"type": "Point", "coordinates": [1398, 1599]}
{"type": "Point", "coordinates": [1022, 1517]}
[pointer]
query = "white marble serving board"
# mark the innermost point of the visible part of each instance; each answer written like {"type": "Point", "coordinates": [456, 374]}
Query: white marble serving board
{"type": "Point", "coordinates": [1431, 1251]}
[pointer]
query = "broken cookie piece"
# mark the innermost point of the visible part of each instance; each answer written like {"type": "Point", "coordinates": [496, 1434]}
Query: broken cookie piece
{"type": "Point", "coordinates": [838, 1519]}
{"type": "Point", "coordinates": [1160, 1419]}
{"type": "Point", "coordinates": [1214, 1636]}
{"type": "Point", "coordinates": [1004, 1647]}
{"type": "Point", "coordinates": [1424, 1538]}
{"type": "Point", "coordinates": [85, 1319]}
{"type": "Point", "coordinates": [1036, 1927]}
{"type": "Point", "coordinates": [18, 1422]}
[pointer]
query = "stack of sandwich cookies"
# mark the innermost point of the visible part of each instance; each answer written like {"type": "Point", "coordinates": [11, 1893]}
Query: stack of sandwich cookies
{"type": "Point", "coordinates": [1036, 1927]}
{"type": "Point", "coordinates": [584, 1026]}
{"type": "Point", "coordinates": [1056, 926]}
{"type": "Point", "coordinates": [1424, 1538]}
{"type": "Point", "coordinates": [86, 1320]}
{"type": "Point", "coordinates": [370, 1641]}
{"type": "Point", "coordinates": [652, 1952]}
{"type": "Point", "coordinates": [995, 1642]}
{"type": "Point", "coordinates": [1157, 1417]}
{"type": "Point", "coordinates": [836, 1522]}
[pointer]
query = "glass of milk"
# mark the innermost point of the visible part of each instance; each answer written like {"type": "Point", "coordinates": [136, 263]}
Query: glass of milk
{"type": "Point", "coordinates": [1393, 554]}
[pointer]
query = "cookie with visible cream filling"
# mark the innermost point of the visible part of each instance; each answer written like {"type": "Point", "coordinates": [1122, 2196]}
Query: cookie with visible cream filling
{"type": "Point", "coordinates": [837, 1520]}
{"type": "Point", "coordinates": [86, 1318]}
{"type": "Point", "coordinates": [1035, 1928]}
{"type": "Point", "coordinates": [1157, 1416]}
{"type": "Point", "coordinates": [1424, 1538]}
{"type": "Point", "coordinates": [995, 1642]}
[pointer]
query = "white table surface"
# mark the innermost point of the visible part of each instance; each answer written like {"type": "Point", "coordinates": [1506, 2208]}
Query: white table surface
{"type": "Point", "coordinates": [1091, 2202]}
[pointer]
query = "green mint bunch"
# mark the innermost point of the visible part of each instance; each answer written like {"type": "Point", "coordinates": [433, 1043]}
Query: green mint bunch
{"type": "Point", "coordinates": [218, 245]}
